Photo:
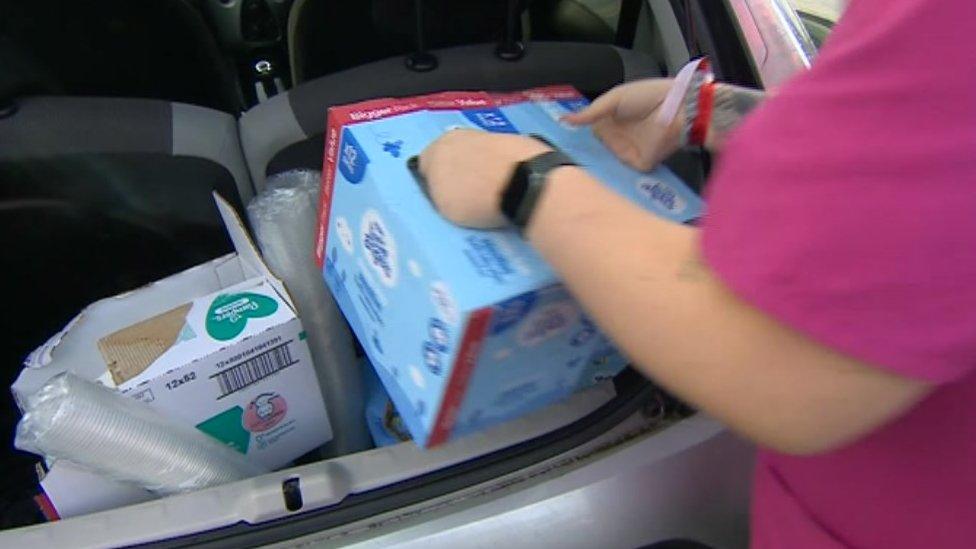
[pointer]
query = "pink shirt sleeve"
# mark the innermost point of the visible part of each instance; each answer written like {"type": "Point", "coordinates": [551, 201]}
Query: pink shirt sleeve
{"type": "Point", "coordinates": [845, 207]}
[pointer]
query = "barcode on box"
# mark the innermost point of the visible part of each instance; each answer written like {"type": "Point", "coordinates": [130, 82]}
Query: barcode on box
{"type": "Point", "coordinates": [254, 369]}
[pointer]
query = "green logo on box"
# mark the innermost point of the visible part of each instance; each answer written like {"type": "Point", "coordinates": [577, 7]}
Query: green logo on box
{"type": "Point", "coordinates": [227, 428]}
{"type": "Point", "coordinates": [229, 313]}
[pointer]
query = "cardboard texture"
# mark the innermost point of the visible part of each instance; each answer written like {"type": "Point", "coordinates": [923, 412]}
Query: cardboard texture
{"type": "Point", "coordinates": [129, 351]}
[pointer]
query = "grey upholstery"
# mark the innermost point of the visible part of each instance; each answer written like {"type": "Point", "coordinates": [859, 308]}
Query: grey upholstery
{"type": "Point", "coordinates": [286, 132]}
{"type": "Point", "coordinates": [49, 127]}
{"type": "Point", "coordinates": [100, 196]}
{"type": "Point", "coordinates": [211, 135]}
{"type": "Point", "coordinates": [160, 49]}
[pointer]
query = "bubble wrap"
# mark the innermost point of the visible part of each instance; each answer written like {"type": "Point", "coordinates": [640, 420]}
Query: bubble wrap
{"type": "Point", "coordinates": [284, 217]}
{"type": "Point", "coordinates": [124, 439]}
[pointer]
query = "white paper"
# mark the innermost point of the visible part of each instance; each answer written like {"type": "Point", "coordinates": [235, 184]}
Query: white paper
{"type": "Point", "coordinates": [75, 491]}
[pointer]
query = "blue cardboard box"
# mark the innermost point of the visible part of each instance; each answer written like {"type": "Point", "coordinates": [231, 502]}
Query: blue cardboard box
{"type": "Point", "coordinates": [465, 328]}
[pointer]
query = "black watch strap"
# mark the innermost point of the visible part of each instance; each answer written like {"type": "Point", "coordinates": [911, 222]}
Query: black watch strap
{"type": "Point", "coordinates": [525, 187]}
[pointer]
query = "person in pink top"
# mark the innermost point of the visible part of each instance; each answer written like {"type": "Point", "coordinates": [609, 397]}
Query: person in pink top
{"type": "Point", "coordinates": [826, 308]}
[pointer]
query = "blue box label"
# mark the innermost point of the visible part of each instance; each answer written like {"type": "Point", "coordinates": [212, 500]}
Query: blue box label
{"type": "Point", "coordinates": [465, 328]}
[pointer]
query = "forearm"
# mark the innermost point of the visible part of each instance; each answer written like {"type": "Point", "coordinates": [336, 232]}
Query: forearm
{"type": "Point", "coordinates": [712, 110]}
{"type": "Point", "coordinates": [642, 280]}
{"type": "Point", "coordinates": [731, 105]}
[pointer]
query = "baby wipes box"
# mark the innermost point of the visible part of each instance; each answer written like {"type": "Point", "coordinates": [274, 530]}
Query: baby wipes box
{"type": "Point", "coordinates": [465, 328]}
{"type": "Point", "coordinates": [233, 363]}
{"type": "Point", "coordinates": [218, 346]}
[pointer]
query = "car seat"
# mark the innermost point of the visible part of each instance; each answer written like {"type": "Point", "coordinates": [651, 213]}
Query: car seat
{"type": "Point", "coordinates": [99, 196]}
{"type": "Point", "coordinates": [286, 131]}
{"type": "Point", "coordinates": [574, 20]}
{"type": "Point", "coordinates": [161, 49]}
{"type": "Point", "coordinates": [377, 29]}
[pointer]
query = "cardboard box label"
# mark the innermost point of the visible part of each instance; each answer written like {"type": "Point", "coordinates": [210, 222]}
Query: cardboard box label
{"type": "Point", "coordinates": [229, 313]}
{"type": "Point", "coordinates": [218, 346]}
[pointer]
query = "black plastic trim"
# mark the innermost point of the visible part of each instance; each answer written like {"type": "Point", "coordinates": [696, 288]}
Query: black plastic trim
{"type": "Point", "coordinates": [710, 29]}
{"type": "Point", "coordinates": [627, 23]}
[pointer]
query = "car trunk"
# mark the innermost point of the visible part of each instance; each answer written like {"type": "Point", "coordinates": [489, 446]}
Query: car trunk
{"type": "Point", "coordinates": [354, 496]}
{"type": "Point", "coordinates": [333, 494]}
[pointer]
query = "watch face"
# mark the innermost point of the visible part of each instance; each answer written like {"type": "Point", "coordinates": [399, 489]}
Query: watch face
{"type": "Point", "coordinates": [523, 189]}
{"type": "Point", "coordinates": [522, 171]}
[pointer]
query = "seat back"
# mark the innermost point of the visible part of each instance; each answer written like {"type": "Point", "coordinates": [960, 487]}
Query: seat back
{"type": "Point", "coordinates": [99, 196]}
{"type": "Point", "coordinates": [378, 29]}
{"type": "Point", "coordinates": [160, 49]}
{"type": "Point", "coordinates": [286, 131]}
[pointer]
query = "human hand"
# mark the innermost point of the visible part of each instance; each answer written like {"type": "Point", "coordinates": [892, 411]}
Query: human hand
{"type": "Point", "coordinates": [625, 119]}
{"type": "Point", "coordinates": [467, 171]}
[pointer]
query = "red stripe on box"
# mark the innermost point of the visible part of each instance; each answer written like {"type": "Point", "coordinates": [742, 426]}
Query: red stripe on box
{"type": "Point", "coordinates": [456, 100]}
{"type": "Point", "coordinates": [504, 99]}
{"type": "Point", "coordinates": [545, 93]}
{"type": "Point", "coordinates": [339, 117]}
{"type": "Point", "coordinates": [552, 93]}
{"type": "Point", "coordinates": [467, 357]}
{"type": "Point", "coordinates": [47, 508]}
{"type": "Point", "coordinates": [325, 192]}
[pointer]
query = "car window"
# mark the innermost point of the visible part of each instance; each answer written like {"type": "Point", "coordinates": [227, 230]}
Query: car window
{"type": "Point", "coordinates": [829, 10]}
{"type": "Point", "coordinates": [607, 10]}
{"type": "Point", "coordinates": [819, 16]}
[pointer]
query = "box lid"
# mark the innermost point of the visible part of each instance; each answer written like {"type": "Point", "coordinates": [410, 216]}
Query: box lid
{"type": "Point", "coordinates": [74, 348]}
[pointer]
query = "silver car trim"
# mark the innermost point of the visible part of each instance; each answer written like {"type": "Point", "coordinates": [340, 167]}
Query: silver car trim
{"type": "Point", "coordinates": [775, 39]}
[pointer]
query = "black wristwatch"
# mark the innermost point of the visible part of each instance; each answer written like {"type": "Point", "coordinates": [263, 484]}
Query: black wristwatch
{"type": "Point", "coordinates": [525, 187]}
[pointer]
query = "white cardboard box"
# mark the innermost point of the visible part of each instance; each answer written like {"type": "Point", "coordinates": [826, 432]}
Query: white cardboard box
{"type": "Point", "coordinates": [218, 346]}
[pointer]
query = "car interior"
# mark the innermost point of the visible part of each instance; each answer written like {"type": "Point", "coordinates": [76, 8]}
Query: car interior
{"type": "Point", "coordinates": [119, 119]}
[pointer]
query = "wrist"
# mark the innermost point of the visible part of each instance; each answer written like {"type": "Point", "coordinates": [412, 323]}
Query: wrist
{"type": "Point", "coordinates": [731, 105]}
{"type": "Point", "coordinates": [560, 182]}
{"type": "Point", "coordinates": [527, 148]}
{"type": "Point", "coordinates": [698, 107]}
{"type": "Point", "coordinates": [519, 197]}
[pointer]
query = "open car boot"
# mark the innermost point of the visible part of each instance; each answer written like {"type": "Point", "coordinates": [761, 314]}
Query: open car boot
{"type": "Point", "coordinates": [105, 194]}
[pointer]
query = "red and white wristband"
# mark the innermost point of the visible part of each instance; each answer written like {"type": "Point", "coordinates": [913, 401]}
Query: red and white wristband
{"type": "Point", "coordinates": [694, 88]}
{"type": "Point", "coordinates": [699, 103]}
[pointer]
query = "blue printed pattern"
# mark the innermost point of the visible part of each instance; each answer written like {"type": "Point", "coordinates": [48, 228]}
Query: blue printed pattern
{"type": "Point", "coordinates": [491, 120]}
{"type": "Point", "coordinates": [509, 313]}
{"type": "Point", "coordinates": [415, 280]}
{"type": "Point", "coordinates": [352, 158]}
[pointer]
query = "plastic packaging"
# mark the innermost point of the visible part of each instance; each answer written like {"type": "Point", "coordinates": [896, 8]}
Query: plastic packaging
{"type": "Point", "coordinates": [384, 422]}
{"type": "Point", "coordinates": [124, 439]}
{"type": "Point", "coordinates": [284, 218]}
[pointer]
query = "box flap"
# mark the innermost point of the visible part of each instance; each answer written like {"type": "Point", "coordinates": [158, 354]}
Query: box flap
{"type": "Point", "coordinates": [129, 351]}
{"type": "Point", "coordinates": [251, 260]}
{"type": "Point", "coordinates": [74, 347]}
